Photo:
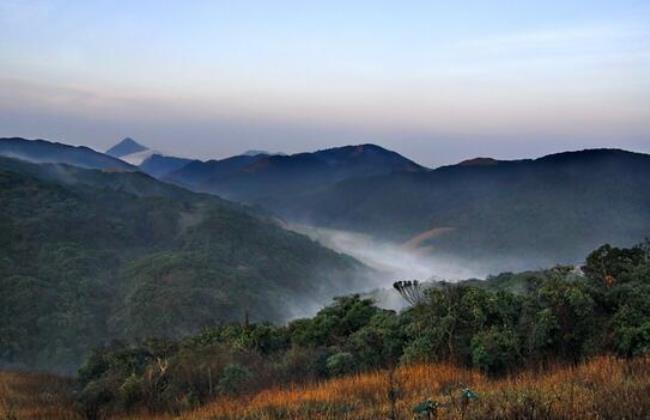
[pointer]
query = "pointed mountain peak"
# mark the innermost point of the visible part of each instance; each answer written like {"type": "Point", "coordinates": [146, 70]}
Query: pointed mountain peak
{"type": "Point", "coordinates": [126, 147]}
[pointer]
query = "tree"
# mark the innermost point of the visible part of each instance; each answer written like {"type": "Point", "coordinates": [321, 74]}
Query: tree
{"type": "Point", "coordinates": [410, 290]}
{"type": "Point", "coordinates": [496, 351]}
{"type": "Point", "coordinates": [340, 363]}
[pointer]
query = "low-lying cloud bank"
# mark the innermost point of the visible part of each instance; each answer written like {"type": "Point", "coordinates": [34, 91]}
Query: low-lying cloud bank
{"type": "Point", "coordinates": [394, 261]}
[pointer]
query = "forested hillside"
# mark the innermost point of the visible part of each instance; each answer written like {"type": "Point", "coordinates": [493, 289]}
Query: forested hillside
{"type": "Point", "coordinates": [512, 214]}
{"type": "Point", "coordinates": [89, 256]}
{"type": "Point", "coordinates": [559, 318]}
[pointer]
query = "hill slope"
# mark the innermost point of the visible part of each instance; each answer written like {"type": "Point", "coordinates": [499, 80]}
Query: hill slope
{"type": "Point", "coordinates": [608, 386]}
{"type": "Point", "coordinates": [527, 213]}
{"type": "Point", "coordinates": [256, 178]}
{"type": "Point", "coordinates": [84, 262]}
{"type": "Point", "coordinates": [135, 183]}
{"type": "Point", "coordinates": [42, 151]}
{"type": "Point", "coordinates": [159, 166]}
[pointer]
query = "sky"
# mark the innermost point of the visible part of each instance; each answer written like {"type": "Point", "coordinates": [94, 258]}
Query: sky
{"type": "Point", "coordinates": [438, 81]}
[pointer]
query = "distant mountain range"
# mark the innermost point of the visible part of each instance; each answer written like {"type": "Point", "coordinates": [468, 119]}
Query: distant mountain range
{"type": "Point", "coordinates": [260, 177]}
{"type": "Point", "coordinates": [520, 214]}
{"type": "Point", "coordinates": [523, 214]}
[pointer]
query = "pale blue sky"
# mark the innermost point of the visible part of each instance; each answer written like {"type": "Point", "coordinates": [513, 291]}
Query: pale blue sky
{"type": "Point", "coordinates": [437, 81]}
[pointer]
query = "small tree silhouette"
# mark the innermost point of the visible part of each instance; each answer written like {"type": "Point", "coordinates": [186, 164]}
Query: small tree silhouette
{"type": "Point", "coordinates": [410, 290]}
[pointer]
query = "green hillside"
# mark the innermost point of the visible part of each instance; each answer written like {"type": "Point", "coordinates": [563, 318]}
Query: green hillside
{"type": "Point", "coordinates": [82, 263]}
{"type": "Point", "coordinates": [501, 326]}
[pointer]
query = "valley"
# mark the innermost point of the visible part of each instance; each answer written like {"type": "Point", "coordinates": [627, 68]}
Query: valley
{"type": "Point", "coordinates": [160, 297]}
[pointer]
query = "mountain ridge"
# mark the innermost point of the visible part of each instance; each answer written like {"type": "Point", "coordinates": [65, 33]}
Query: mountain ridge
{"type": "Point", "coordinates": [44, 151]}
{"type": "Point", "coordinates": [547, 210]}
{"type": "Point", "coordinates": [253, 178]}
{"type": "Point", "coordinates": [159, 165]}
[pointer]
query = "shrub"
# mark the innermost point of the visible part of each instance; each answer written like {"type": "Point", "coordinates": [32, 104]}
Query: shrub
{"type": "Point", "coordinates": [495, 351]}
{"type": "Point", "coordinates": [340, 363]}
{"type": "Point", "coordinates": [234, 379]}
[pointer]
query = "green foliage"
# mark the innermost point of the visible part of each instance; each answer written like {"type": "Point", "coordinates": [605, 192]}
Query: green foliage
{"type": "Point", "coordinates": [618, 265]}
{"type": "Point", "coordinates": [443, 325]}
{"type": "Point", "coordinates": [496, 351]}
{"type": "Point", "coordinates": [107, 256]}
{"type": "Point", "coordinates": [380, 342]}
{"type": "Point", "coordinates": [333, 324]}
{"type": "Point", "coordinates": [562, 316]}
{"type": "Point", "coordinates": [340, 364]}
{"type": "Point", "coordinates": [233, 379]}
{"type": "Point", "coordinates": [564, 312]}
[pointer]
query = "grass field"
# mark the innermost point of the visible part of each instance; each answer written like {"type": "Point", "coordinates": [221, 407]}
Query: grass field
{"type": "Point", "coordinates": [604, 388]}
{"type": "Point", "coordinates": [35, 396]}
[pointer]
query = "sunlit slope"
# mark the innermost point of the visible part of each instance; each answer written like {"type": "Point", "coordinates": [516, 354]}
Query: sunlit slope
{"type": "Point", "coordinates": [26, 395]}
{"type": "Point", "coordinates": [601, 388]}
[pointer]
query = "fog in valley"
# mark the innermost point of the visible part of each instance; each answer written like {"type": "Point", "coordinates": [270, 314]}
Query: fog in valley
{"type": "Point", "coordinates": [398, 262]}
{"type": "Point", "coordinates": [392, 262]}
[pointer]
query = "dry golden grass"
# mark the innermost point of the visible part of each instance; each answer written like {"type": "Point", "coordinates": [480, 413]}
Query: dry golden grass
{"type": "Point", "coordinates": [602, 388]}
{"type": "Point", "coordinates": [35, 396]}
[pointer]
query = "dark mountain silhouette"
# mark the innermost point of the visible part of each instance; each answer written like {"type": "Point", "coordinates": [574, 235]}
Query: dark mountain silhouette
{"type": "Point", "coordinates": [259, 177]}
{"type": "Point", "coordinates": [529, 212]}
{"type": "Point", "coordinates": [42, 151]}
{"type": "Point", "coordinates": [159, 166]}
{"type": "Point", "coordinates": [147, 160]}
{"type": "Point", "coordinates": [126, 147]}
{"type": "Point", "coordinates": [131, 182]}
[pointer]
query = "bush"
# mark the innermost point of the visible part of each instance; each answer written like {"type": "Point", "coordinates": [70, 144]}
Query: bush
{"type": "Point", "coordinates": [340, 364]}
{"type": "Point", "coordinates": [558, 316]}
{"type": "Point", "coordinates": [495, 351]}
{"type": "Point", "coordinates": [234, 379]}
{"type": "Point", "coordinates": [130, 393]}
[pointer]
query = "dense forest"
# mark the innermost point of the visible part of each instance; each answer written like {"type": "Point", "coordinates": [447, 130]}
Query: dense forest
{"type": "Point", "coordinates": [87, 256]}
{"type": "Point", "coordinates": [509, 322]}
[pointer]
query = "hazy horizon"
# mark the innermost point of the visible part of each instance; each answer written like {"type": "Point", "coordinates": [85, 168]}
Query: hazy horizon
{"type": "Point", "coordinates": [437, 83]}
